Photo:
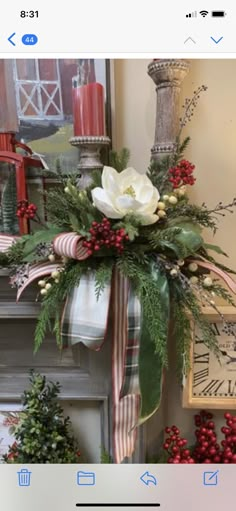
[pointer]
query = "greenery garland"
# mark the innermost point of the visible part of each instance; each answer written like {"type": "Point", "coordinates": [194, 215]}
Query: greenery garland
{"type": "Point", "coordinates": [143, 239]}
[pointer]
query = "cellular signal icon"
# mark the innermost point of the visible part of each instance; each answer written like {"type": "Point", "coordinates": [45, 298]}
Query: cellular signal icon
{"type": "Point", "coordinates": [204, 13]}
{"type": "Point", "coordinates": [191, 14]}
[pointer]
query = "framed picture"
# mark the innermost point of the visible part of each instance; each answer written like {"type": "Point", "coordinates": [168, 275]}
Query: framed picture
{"type": "Point", "coordinates": [36, 104]}
{"type": "Point", "coordinates": [211, 382]}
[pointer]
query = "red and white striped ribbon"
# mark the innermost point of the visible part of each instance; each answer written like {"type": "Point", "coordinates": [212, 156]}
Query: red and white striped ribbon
{"type": "Point", "coordinates": [6, 241]}
{"type": "Point", "coordinates": [70, 244]}
{"type": "Point", "coordinates": [221, 273]}
{"type": "Point", "coordinates": [37, 271]}
{"type": "Point", "coordinates": [125, 410]}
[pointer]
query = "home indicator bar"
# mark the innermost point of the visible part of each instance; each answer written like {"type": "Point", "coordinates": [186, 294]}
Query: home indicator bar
{"type": "Point", "coordinates": [107, 504]}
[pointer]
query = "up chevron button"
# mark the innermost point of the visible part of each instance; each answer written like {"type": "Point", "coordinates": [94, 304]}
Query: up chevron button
{"type": "Point", "coordinates": [217, 41]}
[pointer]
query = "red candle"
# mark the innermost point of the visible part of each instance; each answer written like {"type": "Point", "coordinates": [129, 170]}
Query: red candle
{"type": "Point", "coordinates": [88, 109]}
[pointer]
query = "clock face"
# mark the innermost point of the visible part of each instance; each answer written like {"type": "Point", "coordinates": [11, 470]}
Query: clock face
{"type": "Point", "coordinates": [212, 378]}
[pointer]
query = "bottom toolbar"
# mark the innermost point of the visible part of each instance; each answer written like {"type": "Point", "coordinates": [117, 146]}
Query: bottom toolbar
{"type": "Point", "coordinates": [168, 487]}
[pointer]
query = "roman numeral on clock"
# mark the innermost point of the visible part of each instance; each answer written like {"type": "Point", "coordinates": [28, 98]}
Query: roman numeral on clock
{"type": "Point", "coordinates": [231, 387]}
{"type": "Point", "coordinates": [202, 359]}
{"type": "Point", "coordinates": [215, 328]}
{"type": "Point", "coordinates": [213, 386]}
{"type": "Point", "coordinates": [200, 376]}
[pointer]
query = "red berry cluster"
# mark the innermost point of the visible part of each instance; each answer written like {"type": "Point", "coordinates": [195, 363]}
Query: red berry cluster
{"type": "Point", "coordinates": [176, 447]}
{"type": "Point", "coordinates": [207, 450]}
{"type": "Point", "coordinates": [229, 443]}
{"type": "Point", "coordinates": [26, 210]}
{"type": "Point", "coordinates": [103, 236]}
{"type": "Point", "coordinates": [182, 174]}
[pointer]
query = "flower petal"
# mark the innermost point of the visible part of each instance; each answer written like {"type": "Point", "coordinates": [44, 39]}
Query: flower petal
{"type": "Point", "coordinates": [103, 203]}
{"type": "Point", "coordinates": [148, 219]}
{"type": "Point", "coordinates": [151, 206]}
{"type": "Point", "coordinates": [127, 203]}
{"type": "Point", "coordinates": [143, 194]}
{"type": "Point", "coordinates": [110, 181]}
{"type": "Point", "coordinates": [127, 178]}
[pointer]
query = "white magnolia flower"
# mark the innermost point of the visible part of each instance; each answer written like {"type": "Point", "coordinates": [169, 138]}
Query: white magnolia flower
{"type": "Point", "coordinates": [126, 192]}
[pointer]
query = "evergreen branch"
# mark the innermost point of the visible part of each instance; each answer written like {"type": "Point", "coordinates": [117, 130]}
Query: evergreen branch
{"type": "Point", "coordinates": [103, 275]}
{"type": "Point", "coordinates": [211, 259]}
{"type": "Point", "coordinates": [53, 302]}
{"type": "Point", "coordinates": [182, 334]}
{"type": "Point", "coordinates": [148, 291]}
{"type": "Point", "coordinates": [220, 291]}
{"type": "Point", "coordinates": [119, 161]}
{"type": "Point", "coordinates": [197, 214]}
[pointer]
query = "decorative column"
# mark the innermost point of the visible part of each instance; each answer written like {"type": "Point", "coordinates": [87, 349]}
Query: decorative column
{"type": "Point", "coordinates": [168, 75]}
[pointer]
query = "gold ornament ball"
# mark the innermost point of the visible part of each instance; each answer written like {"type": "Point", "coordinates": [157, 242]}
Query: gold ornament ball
{"type": "Point", "coordinates": [173, 200]}
{"type": "Point", "coordinates": [161, 205]}
{"type": "Point", "coordinates": [67, 189]}
{"type": "Point", "coordinates": [161, 213]}
{"type": "Point", "coordinates": [42, 283]}
{"type": "Point", "coordinates": [56, 281]}
{"type": "Point", "coordinates": [48, 286]}
{"type": "Point", "coordinates": [173, 272]}
{"type": "Point", "coordinates": [193, 267]}
{"type": "Point", "coordinates": [165, 197]}
{"type": "Point", "coordinates": [207, 282]}
{"type": "Point", "coordinates": [180, 262]}
{"type": "Point", "coordinates": [43, 292]}
{"type": "Point", "coordinates": [55, 274]}
{"type": "Point", "coordinates": [51, 258]}
{"type": "Point", "coordinates": [193, 280]}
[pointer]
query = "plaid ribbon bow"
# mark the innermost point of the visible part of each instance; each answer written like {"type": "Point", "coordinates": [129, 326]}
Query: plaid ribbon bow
{"type": "Point", "coordinates": [85, 319]}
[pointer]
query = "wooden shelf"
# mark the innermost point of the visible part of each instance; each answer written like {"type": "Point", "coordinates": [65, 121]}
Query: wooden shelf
{"type": "Point", "coordinates": [24, 310]}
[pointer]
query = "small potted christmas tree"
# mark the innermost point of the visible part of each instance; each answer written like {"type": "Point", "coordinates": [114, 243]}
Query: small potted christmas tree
{"type": "Point", "coordinates": [43, 435]}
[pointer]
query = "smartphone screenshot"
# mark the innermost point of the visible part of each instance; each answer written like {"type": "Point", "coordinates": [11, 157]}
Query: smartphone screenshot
{"type": "Point", "coordinates": [117, 256]}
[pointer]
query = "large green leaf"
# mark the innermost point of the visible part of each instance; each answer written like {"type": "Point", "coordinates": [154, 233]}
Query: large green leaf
{"type": "Point", "coordinates": [183, 221]}
{"type": "Point", "coordinates": [44, 236]}
{"type": "Point", "coordinates": [215, 248]}
{"type": "Point", "coordinates": [190, 237]}
{"type": "Point", "coordinates": [150, 362]}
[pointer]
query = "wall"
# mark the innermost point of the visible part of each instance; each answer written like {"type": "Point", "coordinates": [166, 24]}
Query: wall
{"type": "Point", "coordinates": [212, 150]}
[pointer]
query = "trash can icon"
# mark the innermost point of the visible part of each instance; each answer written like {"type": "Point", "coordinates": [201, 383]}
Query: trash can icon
{"type": "Point", "coordinates": [24, 477]}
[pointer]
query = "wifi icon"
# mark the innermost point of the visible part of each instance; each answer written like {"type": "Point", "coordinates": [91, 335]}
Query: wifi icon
{"type": "Point", "coordinates": [204, 13]}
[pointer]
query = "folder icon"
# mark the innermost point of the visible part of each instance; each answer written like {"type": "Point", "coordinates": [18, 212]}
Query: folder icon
{"type": "Point", "coordinates": [85, 478]}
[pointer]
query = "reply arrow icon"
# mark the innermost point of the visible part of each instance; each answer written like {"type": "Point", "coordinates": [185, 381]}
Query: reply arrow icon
{"type": "Point", "coordinates": [148, 478]}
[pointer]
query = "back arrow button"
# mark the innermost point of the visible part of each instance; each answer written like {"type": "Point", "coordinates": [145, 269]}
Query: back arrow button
{"type": "Point", "coordinates": [190, 40]}
{"type": "Point", "coordinates": [10, 39]}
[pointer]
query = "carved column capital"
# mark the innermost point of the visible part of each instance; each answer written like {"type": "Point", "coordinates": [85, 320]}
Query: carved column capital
{"type": "Point", "coordinates": [168, 75]}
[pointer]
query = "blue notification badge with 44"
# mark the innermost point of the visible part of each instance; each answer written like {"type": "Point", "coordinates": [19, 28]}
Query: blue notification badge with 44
{"type": "Point", "coordinates": [29, 39]}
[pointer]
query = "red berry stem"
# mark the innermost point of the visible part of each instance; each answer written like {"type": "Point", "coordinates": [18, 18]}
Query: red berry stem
{"type": "Point", "coordinates": [103, 236]}
{"type": "Point", "coordinates": [182, 174]}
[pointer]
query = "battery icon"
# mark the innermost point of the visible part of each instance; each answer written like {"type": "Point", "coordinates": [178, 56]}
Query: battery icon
{"type": "Point", "coordinates": [218, 14]}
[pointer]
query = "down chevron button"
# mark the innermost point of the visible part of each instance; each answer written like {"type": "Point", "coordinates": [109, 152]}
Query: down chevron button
{"type": "Point", "coordinates": [217, 40]}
